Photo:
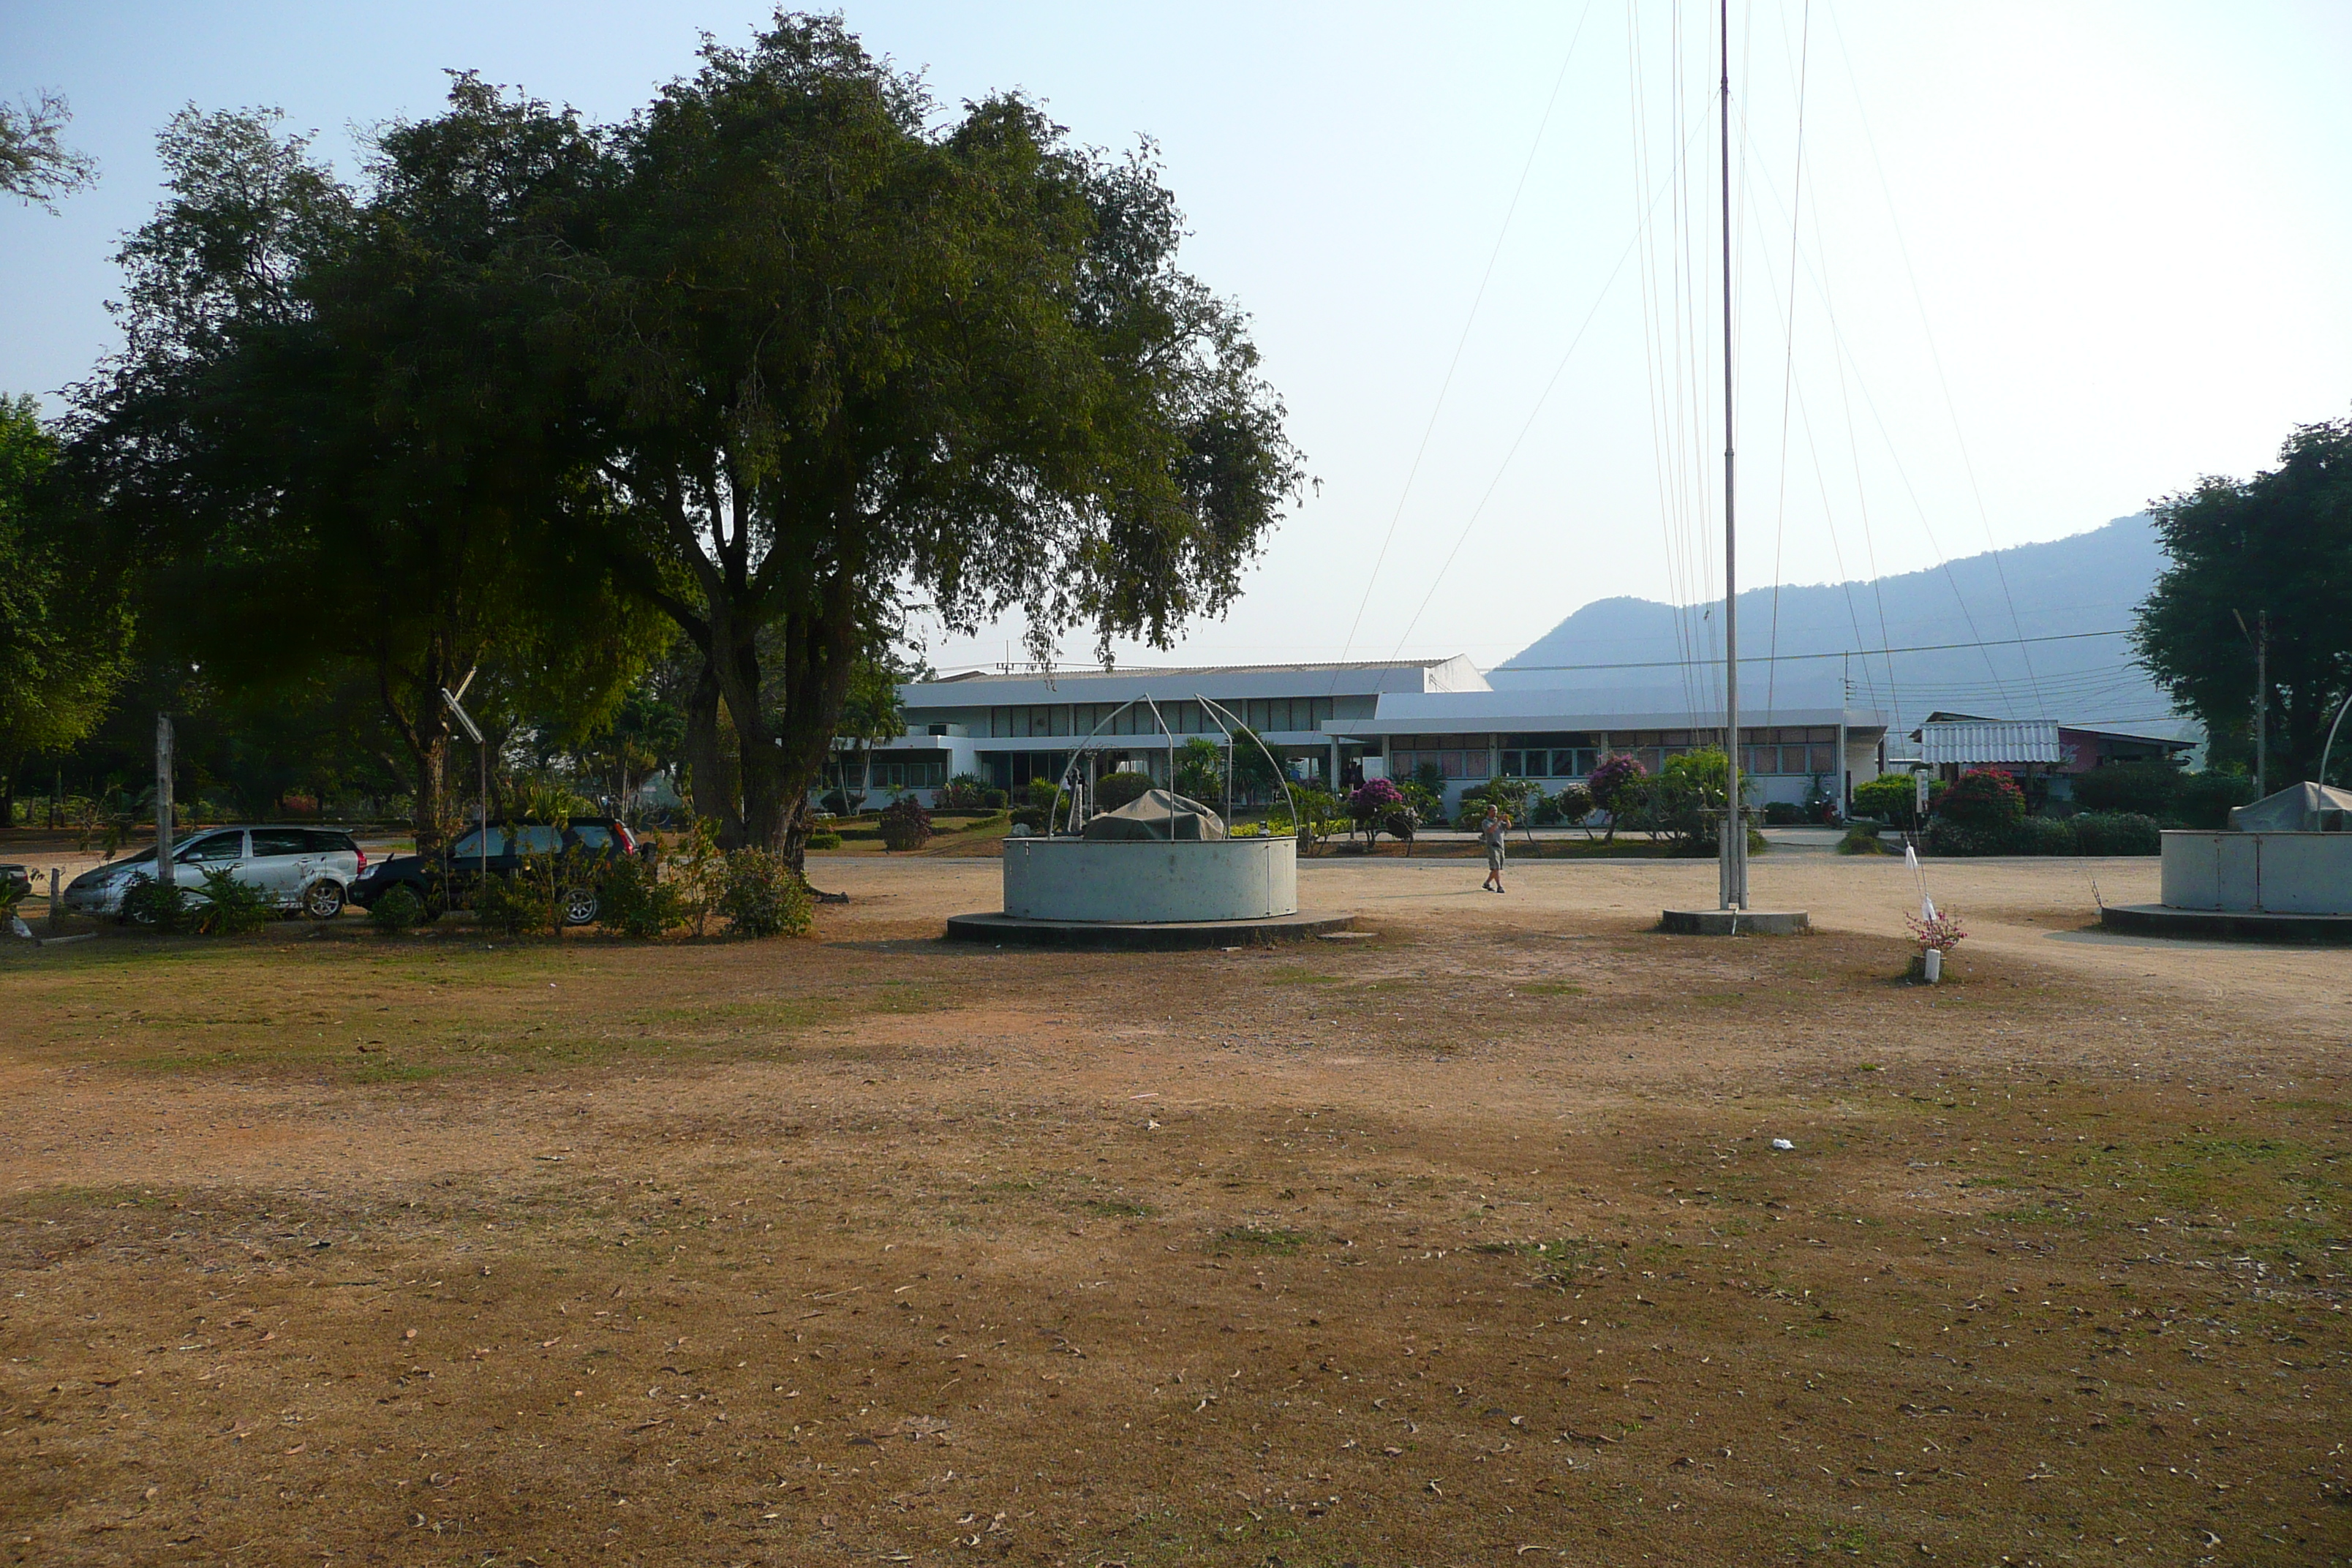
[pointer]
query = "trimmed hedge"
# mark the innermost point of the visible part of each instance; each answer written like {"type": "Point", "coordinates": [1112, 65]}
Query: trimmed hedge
{"type": "Point", "coordinates": [2117, 833]}
{"type": "Point", "coordinates": [2090, 833]}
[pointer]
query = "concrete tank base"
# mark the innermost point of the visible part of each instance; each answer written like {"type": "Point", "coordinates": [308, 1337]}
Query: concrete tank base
{"type": "Point", "coordinates": [2235, 925]}
{"type": "Point", "coordinates": [2260, 873]}
{"type": "Point", "coordinates": [1734, 922]}
{"type": "Point", "coordinates": [1142, 936]}
{"type": "Point", "coordinates": [1150, 883]}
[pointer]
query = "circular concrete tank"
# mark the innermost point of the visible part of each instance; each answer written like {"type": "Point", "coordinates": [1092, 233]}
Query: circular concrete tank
{"type": "Point", "coordinates": [1146, 882]}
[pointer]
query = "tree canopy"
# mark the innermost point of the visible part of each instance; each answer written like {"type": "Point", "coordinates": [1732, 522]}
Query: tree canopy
{"type": "Point", "coordinates": [791, 350]}
{"type": "Point", "coordinates": [65, 620]}
{"type": "Point", "coordinates": [2278, 544]}
{"type": "Point", "coordinates": [849, 350]}
{"type": "Point", "coordinates": [318, 435]}
{"type": "Point", "coordinates": [36, 167]}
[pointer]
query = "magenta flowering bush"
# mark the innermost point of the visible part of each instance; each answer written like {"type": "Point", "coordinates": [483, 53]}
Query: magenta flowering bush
{"type": "Point", "coordinates": [1373, 799]}
{"type": "Point", "coordinates": [1616, 771]}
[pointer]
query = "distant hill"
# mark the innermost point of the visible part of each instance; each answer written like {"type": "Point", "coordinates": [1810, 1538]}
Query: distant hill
{"type": "Point", "coordinates": [2089, 583]}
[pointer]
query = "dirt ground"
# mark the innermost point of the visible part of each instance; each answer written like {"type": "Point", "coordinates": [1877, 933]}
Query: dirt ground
{"type": "Point", "coordinates": [1467, 1241]}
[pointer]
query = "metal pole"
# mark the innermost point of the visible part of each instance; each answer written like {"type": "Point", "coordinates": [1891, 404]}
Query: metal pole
{"type": "Point", "coordinates": [1734, 827]}
{"type": "Point", "coordinates": [164, 875]}
{"type": "Point", "coordinates": [2262, 702]}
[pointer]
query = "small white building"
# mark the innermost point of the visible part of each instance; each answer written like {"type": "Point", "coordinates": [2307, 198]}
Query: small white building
{"type": "Point", "coordinates": [1332, 724]}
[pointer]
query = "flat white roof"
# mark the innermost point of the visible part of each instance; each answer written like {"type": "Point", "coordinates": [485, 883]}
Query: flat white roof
{"type": "Point", "coordinates": [1518, 708]}
{"type": "Point", "coordinates": [1220, 683]}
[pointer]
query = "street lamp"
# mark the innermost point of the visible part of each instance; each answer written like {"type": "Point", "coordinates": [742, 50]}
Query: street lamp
{"type": "Point", "coordinates": [482, 753]}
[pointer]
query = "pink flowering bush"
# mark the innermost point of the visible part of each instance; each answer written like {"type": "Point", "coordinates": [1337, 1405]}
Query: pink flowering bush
{"type": "Point", "coordinates": [1940, 933]}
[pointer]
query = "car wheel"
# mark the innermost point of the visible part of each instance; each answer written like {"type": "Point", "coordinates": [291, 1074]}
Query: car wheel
{"type": "Point", "coordinates": [323, 900]}
{"type": "Point", "coordinates": [580, 905]}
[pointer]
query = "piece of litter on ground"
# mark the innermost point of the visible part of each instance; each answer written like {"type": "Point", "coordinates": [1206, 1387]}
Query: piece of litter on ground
{"type": "Point", "coordinates": [1783, 1143]}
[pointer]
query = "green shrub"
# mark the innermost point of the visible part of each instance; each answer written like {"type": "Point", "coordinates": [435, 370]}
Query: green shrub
{"type": "Point", "coordinates": [759, 896]}
{"type": "Point", "coordinates": [2040, 836]}
{"type": "Point", "coordinates": [824, 840]}
{"type": "Point", "coordinates": [548, 800]}
{"type": "Point", "coordinates": [218, 905]}
{"type": "Point", "coordinates": [226, 906]}
{"type": "Point", "coordinates": [1783, 814]}
{"type": "Point", "coordinates": [1983, 798]}
{"type": "Point", "coordinates": [1115, 790]}
{"type": "Point", "coordinates": [1426, 805]}
{"type": "Point", "coordinates": [2027, 836]}
{"type": "Point", "coordinates": [515, 904]}
{"type": "Point", "coordinates": [2146, 788]}
{"type": "Point", "coordinates": [905, 824]}
{"type": "Point", "coordinates": [994, 799]}
{"type": "Point", "coordinates": [2117, 833]}
{"type": "Point", "coordinates": [1861, 838]}
{"type": "Point", "coordinates": [2204, 799]}
{"type": "Point", "coordinates": [148, 902]}
{"type": "Point", "coordinates": [635, 899]}
{"type": "Point", "coordinates": [396, 910]}
{"type": "Point", "coordinates": [1945, 836]}
{"type": "Point", "coordinates": [1893, 798]}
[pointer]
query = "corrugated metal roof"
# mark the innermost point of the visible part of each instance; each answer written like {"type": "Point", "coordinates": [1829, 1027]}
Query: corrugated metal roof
{"type": "Point", "coordinates": [1991, 740]}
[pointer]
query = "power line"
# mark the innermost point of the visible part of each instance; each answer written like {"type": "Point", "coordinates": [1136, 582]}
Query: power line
{"type": "Point", "coordinates": [1469, 322]}
{"type": "Point", "coordinates": [1842, 653]}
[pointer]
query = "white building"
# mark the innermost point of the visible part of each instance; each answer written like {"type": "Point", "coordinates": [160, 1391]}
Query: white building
{"type": "Point", "coordinates": [1343, 722]}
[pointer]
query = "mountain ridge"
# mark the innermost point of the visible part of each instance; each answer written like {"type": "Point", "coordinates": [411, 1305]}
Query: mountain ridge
{"type": "Point", "coordinates": [2038, 627]}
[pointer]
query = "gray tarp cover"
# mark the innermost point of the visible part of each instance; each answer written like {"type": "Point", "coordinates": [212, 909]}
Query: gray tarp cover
{"type": "Point", "coordinates": [2295, 809]}
{"type": "Point", "coordinates": [1157, 815]}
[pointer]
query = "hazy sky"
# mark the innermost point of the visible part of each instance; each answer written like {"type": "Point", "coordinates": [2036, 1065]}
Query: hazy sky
{"type": "Point", "coordinates": [2050, 260]}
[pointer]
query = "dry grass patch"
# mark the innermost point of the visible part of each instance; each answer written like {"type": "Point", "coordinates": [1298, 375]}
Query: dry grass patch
{"type": "Point", "coordinates": [1448, 1247]}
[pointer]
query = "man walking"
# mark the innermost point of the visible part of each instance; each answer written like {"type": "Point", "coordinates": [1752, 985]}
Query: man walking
{"type": "Point", "coordinates": [1490, 833]}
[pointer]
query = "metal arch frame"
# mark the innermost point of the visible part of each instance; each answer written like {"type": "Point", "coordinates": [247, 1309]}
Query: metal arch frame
{"type": "Point", "coordinates": [2324, 750]}
{"type": "Point", "coordinates": [1216, 711]}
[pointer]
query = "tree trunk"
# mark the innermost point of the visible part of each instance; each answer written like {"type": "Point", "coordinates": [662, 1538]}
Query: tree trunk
{"type": "Point", "coordinates": [712, 792]}
{"type": "Point", "coordinates": [781, 757]}
{"type": "Point", "coordinates": [434, 816]}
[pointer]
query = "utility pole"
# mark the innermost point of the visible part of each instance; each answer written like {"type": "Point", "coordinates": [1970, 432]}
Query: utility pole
{"type": "Point", "coordinates": [2260, 638]}
{"type": "Point", "coordinates": [1734, 858]}
{"type": "Point", "coordinates": [2262, 702]}
{"type": "Point", "coordinates": [164, 800]}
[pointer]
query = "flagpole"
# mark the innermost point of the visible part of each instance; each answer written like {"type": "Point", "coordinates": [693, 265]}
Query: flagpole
{"type": "Point", "coordinates": [1733, 857]}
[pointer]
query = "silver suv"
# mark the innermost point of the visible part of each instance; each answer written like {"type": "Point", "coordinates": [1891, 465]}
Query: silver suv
{"type": "Point", "coordinates": [306, 868]}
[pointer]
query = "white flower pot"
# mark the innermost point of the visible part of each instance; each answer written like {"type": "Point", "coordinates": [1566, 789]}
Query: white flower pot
{"type": "Point", "coordinates": [1931, 963]}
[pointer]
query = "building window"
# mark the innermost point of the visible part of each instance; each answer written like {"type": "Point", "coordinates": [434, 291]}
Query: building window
{"type": "Point", "coordinates": [1452, 762]}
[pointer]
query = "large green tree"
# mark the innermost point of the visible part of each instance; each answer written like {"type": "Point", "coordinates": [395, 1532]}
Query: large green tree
{"type": "Point", "coordinates": [65, 621]}
{"type": "Point", "coordinates": [323, 431]}
{"type": "Point", "coordinates": [2280, 545]}
{"type": "Point", "coordinates": [848, 349]}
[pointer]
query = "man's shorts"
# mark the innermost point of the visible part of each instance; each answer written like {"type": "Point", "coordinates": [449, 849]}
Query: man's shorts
{"type": "Point", "coordinates": [1493, 857]}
